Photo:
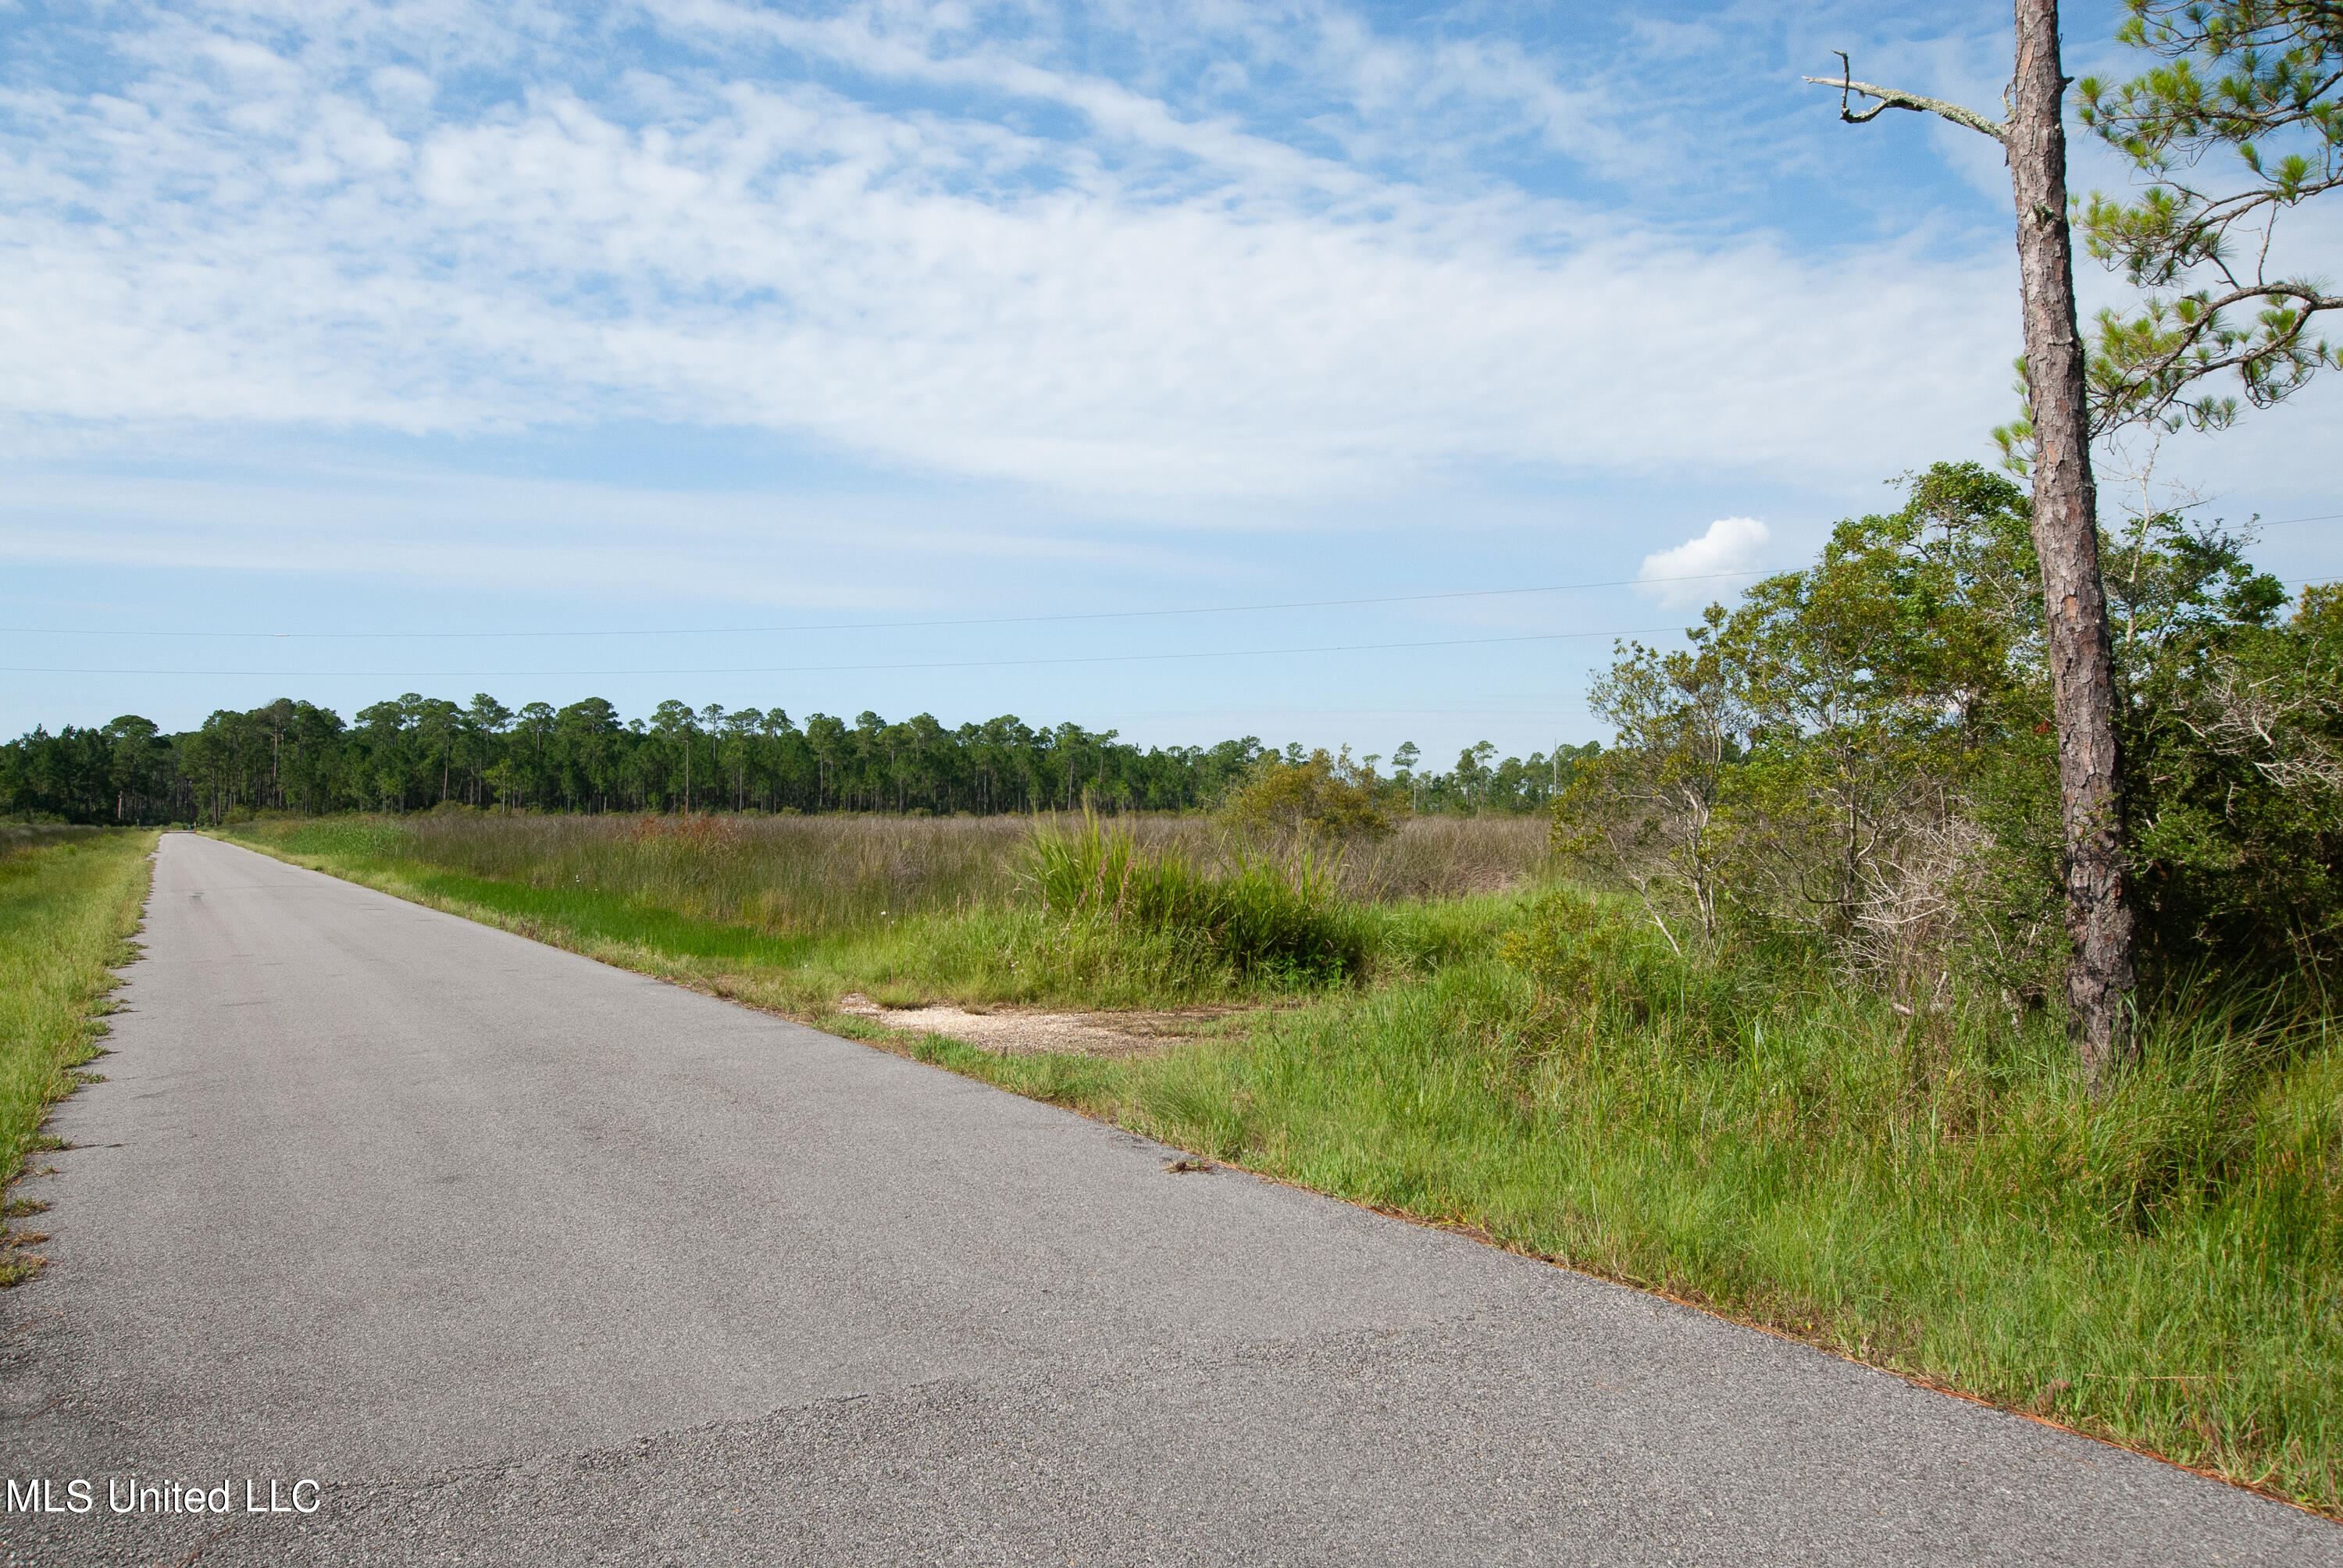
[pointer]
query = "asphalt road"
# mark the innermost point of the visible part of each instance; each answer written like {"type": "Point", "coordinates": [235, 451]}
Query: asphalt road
{"type": "Point", "coordinates": [524, 1260]}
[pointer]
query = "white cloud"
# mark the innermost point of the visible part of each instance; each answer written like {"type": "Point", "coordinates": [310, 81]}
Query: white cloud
{"type": "Point", "coordinates": [556, 536]}
{"type": "Point", "coordinates": [1708, 567]}
{"type": "Point", "coordinates": [1160, 307]}
{"type": "Point", "coordinates": [281, 218]}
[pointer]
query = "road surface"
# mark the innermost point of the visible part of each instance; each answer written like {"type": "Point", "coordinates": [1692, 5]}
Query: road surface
{"type": "Point", "coordinates": [518, 1258]}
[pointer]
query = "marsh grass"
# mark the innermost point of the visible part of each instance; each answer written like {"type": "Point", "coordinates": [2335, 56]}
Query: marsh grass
{"type": "Point", "coordinates": [68, 905]}
{"type": "Point", "coordinates": [1063, 910]}
{"type": "Point", "coordinates": [1933, 1191]}
{"type": "Point", "coordinates": [1284, 915]}
{"type": "Point", "coordinates": [795, 914]}
{"type": "Point", "coordinates": [784, 875]}
{"type": "Point", "coordinates": [15, 836]}
{"type": "Point", "coordinates": [802, 875]}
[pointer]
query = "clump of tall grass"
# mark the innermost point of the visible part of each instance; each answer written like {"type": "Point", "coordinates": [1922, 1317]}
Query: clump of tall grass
{"type": "Point", "coordinates": [1285, 918]}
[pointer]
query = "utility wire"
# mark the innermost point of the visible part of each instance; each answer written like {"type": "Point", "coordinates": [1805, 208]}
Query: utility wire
{"type": "Point", "coordinates": [875, 625]}
{"type": "Point", "coordinates": [851, 669]}
{"type": "Point", "coordinates": [911, 625]}
{"type": "Point", "coordinates": [868, 626]}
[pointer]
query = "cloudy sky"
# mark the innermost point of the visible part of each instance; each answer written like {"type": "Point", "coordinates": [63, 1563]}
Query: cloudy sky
{"type": "Point", "coordinates": [1324, 372]}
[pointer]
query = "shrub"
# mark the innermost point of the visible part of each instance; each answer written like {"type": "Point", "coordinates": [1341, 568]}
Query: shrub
{"type": "Point", "coordinates": [1327, 796]}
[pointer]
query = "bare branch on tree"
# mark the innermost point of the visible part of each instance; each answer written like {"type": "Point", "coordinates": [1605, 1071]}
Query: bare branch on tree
{"type": "Point", "coordinates": [1896, 98]}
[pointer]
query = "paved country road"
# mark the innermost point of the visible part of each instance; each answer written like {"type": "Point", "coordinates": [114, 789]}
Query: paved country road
{"type": "Point", "coordinates": [524, 1260]}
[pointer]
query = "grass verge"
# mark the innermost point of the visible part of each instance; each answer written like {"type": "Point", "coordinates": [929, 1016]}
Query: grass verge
{"type": "Point", "coordinates": [68, 908]}
{"type": "Point", "coordinates": [1097, 927]}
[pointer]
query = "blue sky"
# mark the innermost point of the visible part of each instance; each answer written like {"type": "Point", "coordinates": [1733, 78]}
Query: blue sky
{"type": "Point", "coordinates": [737, 346]}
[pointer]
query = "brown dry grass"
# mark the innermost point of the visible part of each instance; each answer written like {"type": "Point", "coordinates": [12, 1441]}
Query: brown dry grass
{"type": "Point", "coordinates": [796, 875]}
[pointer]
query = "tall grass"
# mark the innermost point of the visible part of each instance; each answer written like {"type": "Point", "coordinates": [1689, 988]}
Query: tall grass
{"type": "Point", "coordinates": [67, 908]}
{"type": "Point", "coordinates": [1284, 916]}
{"type": "Point", "coordinates": [1451, 858]}
{"type": "Point", "coordinates": [1059, 911]}
{"type": "Point", "coordinates": [783, 876]}
{"type": "Point", "coordinates": [802, 875]}
{"type": "Point", "coordinates": [15, 836]}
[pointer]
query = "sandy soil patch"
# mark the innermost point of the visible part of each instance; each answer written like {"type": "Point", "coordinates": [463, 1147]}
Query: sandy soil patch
{"type": "Point", "coordinates": [1029, 1030]}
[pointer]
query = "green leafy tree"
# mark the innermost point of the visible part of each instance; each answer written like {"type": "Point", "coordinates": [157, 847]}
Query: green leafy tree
{"type": "Point", "coordinates": [1807, 766]}
{"type": "Point", "coordinates": [528, 760]}
{"type": "Point", "coordinates": [138, 765]}
{"type": "Point", "coordinates": [664, 769]}
{"type": "Point", "coordinates": [1857, 757]}
{"type": "Point", "coordinates": [589, 750]}
{"type": "Point", "coordinates": [1470, 782]}
{"type": "Point", "coordinates": [2241, 124]}
{"type": "Point", "coordinates": [1325, 795]}
{"type": "Point", "coordinates": [1876, 685]}
{"type": "Point", "coordinates": [482, 732]}
{"type": "Point", "coordinates": [2235, 745]}
{"type": "Point", "coordinates": [1644, 813]}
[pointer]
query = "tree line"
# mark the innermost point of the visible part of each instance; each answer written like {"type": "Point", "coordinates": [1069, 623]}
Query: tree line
{"type": "Point", "coordinates": [414, 753]}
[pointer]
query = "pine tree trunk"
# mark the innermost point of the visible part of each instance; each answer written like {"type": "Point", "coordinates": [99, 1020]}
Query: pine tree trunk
{"type": "Point", "coordinates": [2066, 536]}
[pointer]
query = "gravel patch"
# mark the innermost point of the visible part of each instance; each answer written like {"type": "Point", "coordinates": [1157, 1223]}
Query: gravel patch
{"type": "Point", "coordinates": [1032, 1032]}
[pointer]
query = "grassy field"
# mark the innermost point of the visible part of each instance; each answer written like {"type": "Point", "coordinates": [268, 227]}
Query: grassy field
{"type": "Point", "coordinates": [1440, 1029]}
{"type": "Point", "coordinates": [807, 910]}
{"type": "Point", "coordinates": [69, 900]}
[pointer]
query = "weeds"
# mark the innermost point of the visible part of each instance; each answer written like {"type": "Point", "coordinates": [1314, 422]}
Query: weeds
{"type": "Point", "coordinates": [1286, 919]}
{"type": "Point", "coordinates": [806, 875]}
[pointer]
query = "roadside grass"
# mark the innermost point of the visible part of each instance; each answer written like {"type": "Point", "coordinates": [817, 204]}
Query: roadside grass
{"type": "Point", "coordinates": [15, 836]}
{"type": "Point", "coordinates": [1934, 1194]}
{"type": "Point", "coordinates": [68, 905]}
{"type": "Point", "coordinates": [821, 875]}
{"type": "Point", "coordinates": [796, 913]}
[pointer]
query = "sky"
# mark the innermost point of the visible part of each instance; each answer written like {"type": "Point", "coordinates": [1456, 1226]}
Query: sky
{"type": "Point", "coordinates": [1330, 372]}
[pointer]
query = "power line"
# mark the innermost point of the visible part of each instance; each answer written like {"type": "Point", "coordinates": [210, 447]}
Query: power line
{"type": "Point", "coordinates": [870, 626]}
{"type": "Point", "coordinates": [851, 669]}
{"type": "Point", "coordinates": [875, 625]}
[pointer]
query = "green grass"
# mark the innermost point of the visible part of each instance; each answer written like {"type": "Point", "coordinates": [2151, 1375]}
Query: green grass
{"type": "Point", "coordinates": [68, 905]}
{"type": "Point", "coordinates": [951, 910]}
{"type": "Point", "coordinates": [1935, 1193]}
{"type": "Point", "coordinates": [1282, 915]}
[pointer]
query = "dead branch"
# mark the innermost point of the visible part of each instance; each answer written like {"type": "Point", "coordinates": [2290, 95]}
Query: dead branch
{"type": "Point", "coordinates": [1896, 98]}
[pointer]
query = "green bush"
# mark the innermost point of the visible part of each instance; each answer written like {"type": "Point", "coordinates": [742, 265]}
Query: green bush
{"type": "Point", "coordinates": [1322, 796]}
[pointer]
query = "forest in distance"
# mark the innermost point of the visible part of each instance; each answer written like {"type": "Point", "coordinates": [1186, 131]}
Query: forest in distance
{"type": "Point", "coordinates": [414, 753]}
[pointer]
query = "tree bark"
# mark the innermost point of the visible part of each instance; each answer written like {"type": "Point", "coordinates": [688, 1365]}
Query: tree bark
{"type": "Point", "coordinates": [2065, 536]}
